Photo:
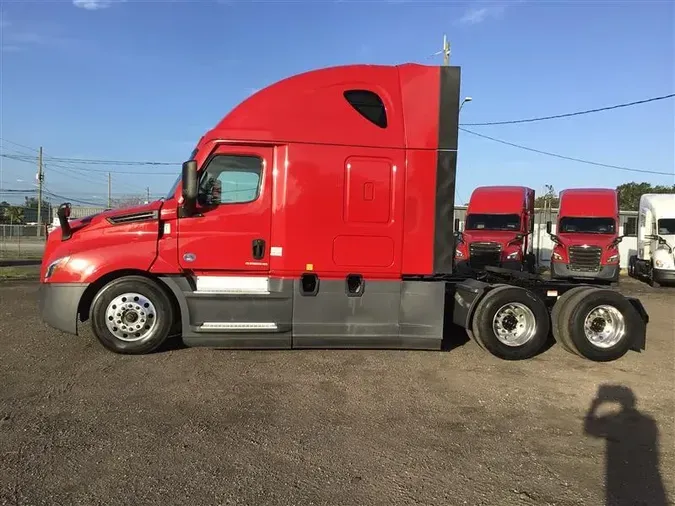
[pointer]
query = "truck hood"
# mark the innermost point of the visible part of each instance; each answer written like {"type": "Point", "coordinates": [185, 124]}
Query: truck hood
{"type": "Point", "coordinates": [500, 236]}
{"type": "Point", "coordinates": [108, 240]}
{"type": "Point", "coordinates": [130, 214]}
{"type": "Point", "coordinates": [670, 239]}
{"type": "Point", "coordinates": [602, 240]}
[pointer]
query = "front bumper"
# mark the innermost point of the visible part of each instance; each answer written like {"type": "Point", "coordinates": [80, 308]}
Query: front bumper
{"type": "Point", "coordinates": [59, 303]}
{"type": "Point", "coordinates": [663, 276]}
{"type": "Point", "coordinates": [515, 265]}
{"type": "Point", "coordinates": [606, 272]}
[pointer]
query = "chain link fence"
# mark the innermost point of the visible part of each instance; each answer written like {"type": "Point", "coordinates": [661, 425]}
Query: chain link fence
{"type": "Point", "coordinates": [21, 242]}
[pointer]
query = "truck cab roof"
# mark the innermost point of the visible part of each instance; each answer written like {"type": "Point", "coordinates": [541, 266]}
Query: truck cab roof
{"type": "Point", "coordinates": [662, 204]}
{"type": "Point", "coordinates": [589, 202]}
{"type": "Point", "coordinates": [325, 105]}
{"type": "Point", "coordinates": [498, 199]}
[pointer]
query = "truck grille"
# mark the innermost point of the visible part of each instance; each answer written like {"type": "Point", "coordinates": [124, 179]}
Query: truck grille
{"type": "Point", "coordinates": [585, 258]}
{"type": "Point", "coordinates": [482, 254]}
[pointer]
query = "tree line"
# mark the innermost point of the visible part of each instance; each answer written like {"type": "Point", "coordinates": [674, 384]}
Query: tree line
{"type": "Point", "coordinates": [25, 213]}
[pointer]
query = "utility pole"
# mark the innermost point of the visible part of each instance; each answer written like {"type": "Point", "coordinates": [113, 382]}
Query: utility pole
{"type": "Point", "coordinates": [147, 191]}
{"type": "Point", "coordinates": [109, 190]}
{"type": "Point", "coordinates": [39, 202]}
{"type": "Point", "coordinates": [446, 51]}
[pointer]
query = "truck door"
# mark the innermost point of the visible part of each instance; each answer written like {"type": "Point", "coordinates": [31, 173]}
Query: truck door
{"type": "Point", "coordinates": [230, 233]}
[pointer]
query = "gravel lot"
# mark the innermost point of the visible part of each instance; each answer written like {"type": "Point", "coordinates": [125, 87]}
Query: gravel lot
{"type": "Point", "coordinates": [79, 425]}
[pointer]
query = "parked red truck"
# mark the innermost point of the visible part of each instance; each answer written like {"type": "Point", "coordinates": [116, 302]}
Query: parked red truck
{"type": "Point", "coordinates": [586, 243]}
{"type": "Point", "coordinates": [497, 229]}
{"type": "Point", "coordinates": [317, 213]}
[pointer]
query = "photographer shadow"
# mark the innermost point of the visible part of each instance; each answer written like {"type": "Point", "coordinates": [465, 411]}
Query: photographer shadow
{"type": "Point", "coordinates": [632, 475]}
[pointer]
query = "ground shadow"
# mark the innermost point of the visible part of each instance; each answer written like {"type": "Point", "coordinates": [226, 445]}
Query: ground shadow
{"type": "Point", "coordinates": [173, 343]}
{"type": "Point", "coordinates": [632, 475]}
{"type": "Point", "coordinates": [454, 337]}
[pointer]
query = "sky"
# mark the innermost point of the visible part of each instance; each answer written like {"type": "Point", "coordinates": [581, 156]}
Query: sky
{"type": "Point", "coordinates": [143, 80]}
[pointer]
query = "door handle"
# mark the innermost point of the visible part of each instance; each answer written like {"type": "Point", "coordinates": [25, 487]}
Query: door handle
{"type": "Point", "coordinates": [258, 249]}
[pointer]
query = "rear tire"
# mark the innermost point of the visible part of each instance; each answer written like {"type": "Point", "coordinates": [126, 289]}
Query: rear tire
{"type": "Point", "coordinates": [600, 324]}
{"type": "Point", "coordinates": [531, 263]}
{"type": "Point", "coordinates": [474, 330]}
{"type": "Point", "coordinates": [559, 315]}
{"type": "Point", "coordinates": [631, 266]}
{"type": "Point", "coordinates": [131, 315]}
{"type": "Point", "coordinates": [511, 322]}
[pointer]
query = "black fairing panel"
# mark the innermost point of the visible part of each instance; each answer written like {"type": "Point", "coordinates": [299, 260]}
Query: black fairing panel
{"type": "Point", "coordinates": [388, 314]}
{"type": "Point", "coordinates": [446, 169]}
{"type": "Point", "coordinates": [198, 308]}
{"type": "Point", "coordinates": [385, 314]}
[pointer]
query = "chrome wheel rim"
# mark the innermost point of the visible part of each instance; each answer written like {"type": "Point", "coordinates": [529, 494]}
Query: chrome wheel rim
{"type": "Point", "coordinates": [604, 326]}
{"type": "Point", "coordinates": [131, 317]}
{"type": "Point", "coordinates": [514, 324]}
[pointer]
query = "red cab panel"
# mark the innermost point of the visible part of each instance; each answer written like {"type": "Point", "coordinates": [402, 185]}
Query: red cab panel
{"type": "Point", "coordinates": [231, 229]}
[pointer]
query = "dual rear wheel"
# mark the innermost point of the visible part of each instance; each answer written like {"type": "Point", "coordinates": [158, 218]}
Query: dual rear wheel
{"type": "Point", "coordinates": [596, 323]}
{"type": "Point", "coordinates": [513, 323]}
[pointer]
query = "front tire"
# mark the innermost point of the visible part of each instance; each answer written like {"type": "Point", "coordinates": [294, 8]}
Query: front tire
{"type": "Point", "coordinates": [131, 315]}
{"type": "Point", "coordinates": [511, 323]}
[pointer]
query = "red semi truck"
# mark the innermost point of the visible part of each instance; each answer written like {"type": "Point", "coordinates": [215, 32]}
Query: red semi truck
{"type": "Point", "coordinates": [497, 229]}
{"type": "Point", "coordinates": [317, 213]}
{"type": "Point", "coordinates": [586, 243]}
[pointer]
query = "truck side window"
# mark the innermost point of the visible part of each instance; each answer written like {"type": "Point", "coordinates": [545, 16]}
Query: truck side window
{"type": "Point", "coordinates": [369, 105]}
{"type": "Point", "coordinates": [230, 179]}
{"type": "Point", "coordinates": [631, 226]}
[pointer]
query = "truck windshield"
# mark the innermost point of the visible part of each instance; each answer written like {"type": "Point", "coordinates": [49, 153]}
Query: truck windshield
{"type": "Point", "coordinates": [667, 226]}
{"type": "Point", "coordinates": [572, 225]}
{"type": "Point", "coordinates": [492, 222]}
{"type": "Point", "coordinates": [172, 190]}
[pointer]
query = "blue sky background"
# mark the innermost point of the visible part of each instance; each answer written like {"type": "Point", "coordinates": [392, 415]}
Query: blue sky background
{"type": "Point", "coordinates": [142, 80]}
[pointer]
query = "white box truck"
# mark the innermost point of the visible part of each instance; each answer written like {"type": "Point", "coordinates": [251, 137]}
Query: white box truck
{"type": "Point", "coordinates": [655, 258]}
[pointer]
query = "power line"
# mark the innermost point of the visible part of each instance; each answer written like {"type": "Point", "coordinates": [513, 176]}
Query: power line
{"type": "Point", "coordinates": [51, 162]}
{"type": "Point", "coordinates": [65, 199]}
{"type": "Point", "coordinates": [570, 114]}
{"type": "Point", "coordinates": [109, 162]}
{"type": "Point", "coordinates": [556, 155]}
{"type": "Point", "coordinates": [90, 160]}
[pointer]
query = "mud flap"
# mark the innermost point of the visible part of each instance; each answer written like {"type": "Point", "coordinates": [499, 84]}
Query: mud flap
{"type": "Point", "coordinates": [467, 295]}
{"type": "Point", "coordinates": [640, 341]}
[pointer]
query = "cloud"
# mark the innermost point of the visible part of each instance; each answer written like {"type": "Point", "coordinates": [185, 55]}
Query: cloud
{"type": "Point", "coordinates": [20, 36]}
{"type": "Point", "coordinates": [94, 5]}
{"type": "Point", "coordinates": [476, 15]}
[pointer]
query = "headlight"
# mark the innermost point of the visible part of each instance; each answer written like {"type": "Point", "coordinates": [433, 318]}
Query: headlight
{"type": "Point", "coordinates": [459, 254]}
{"type": "Point", "coordinates": [56, 263]}
{"type": "Point", "coordinates": [513, 255]}
{"type": "Point", "coordinates": [613, 258]}
{"type": "Point", "coordinates": [557, 256]}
